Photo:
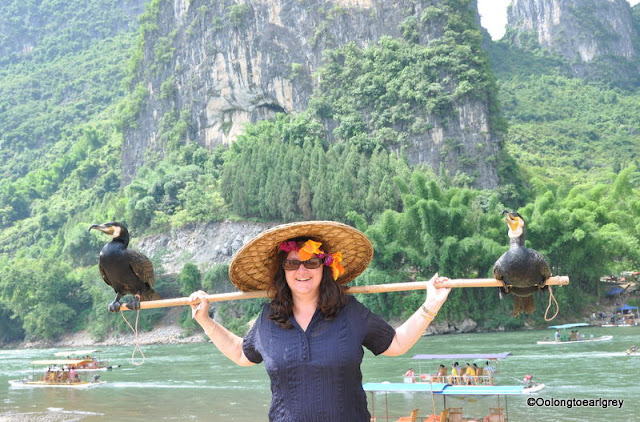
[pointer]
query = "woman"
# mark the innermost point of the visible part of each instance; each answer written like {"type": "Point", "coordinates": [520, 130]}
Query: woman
{"type": "Point", "coordinates": [310, 336]}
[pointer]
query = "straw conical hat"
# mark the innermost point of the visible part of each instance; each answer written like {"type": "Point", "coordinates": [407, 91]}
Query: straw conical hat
{"type": "Point", "coordinates": [250, 267]}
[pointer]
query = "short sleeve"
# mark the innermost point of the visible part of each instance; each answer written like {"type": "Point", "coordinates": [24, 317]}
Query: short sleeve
{"type": "Point", "coordinates": [250, 342]}
{"type": "Point", "coordinates": [378, 333]}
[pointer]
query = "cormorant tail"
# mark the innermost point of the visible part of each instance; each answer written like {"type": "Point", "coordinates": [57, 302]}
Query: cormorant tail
{"type": "Point", "coordinates": [523, 305]}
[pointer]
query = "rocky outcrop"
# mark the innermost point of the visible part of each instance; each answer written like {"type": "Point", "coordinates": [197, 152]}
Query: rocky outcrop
{"type": "Point", "coordinates": [218, 65]}
{"type": "Point", "coordinates": [578, 30]}
{"type": "Point", "coordinates": [450, 327]}
{"type": "Point", "coordinates": [204, 245]}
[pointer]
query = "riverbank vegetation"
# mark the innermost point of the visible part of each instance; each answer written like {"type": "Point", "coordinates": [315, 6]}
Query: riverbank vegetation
{"type": "Point", "coordinates": [570, 166]}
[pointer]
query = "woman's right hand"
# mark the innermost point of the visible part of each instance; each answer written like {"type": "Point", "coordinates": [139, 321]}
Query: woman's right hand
{"type": "Point", "coordinates": [199, 305]}
{"type": "Point", "coordinates": [227, 342]}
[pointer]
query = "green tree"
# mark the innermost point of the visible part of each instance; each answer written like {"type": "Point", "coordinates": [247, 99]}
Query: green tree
{"type": "Point", "coordinates": [190, 279]}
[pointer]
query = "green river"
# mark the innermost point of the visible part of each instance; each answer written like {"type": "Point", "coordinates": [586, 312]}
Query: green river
{"type": "Point", "coordinates": [193, 382]}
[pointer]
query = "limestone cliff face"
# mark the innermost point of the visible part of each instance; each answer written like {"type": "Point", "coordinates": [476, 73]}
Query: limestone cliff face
{"type": "Point", "coordinates": [204, 244]}
{"type": "Point", "coordinates": [226, 63]}
{"type": "Point", "coordinates": [579, 30]}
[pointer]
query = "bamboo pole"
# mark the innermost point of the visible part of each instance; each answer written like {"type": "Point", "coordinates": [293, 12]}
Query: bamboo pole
{"type": "Point", "coordinates": [373, 288]}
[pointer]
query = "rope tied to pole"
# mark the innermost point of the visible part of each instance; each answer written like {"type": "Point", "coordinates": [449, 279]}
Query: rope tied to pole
{"type": "Point", "coordinates": [137, 339]}
{"type": "Point", "coordinates": [551, 297]}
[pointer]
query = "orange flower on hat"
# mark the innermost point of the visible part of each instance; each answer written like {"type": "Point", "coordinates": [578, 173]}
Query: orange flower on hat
{"type": "Point", "coordinates": [335, 265]}
{"type": "Point", "coordinates": [309, 249]}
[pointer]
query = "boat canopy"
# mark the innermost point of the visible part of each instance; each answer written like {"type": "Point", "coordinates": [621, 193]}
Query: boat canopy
{"type": "Point", "coordinates": [76, 352]}
{"type": "Point", "coordinates": [445, 389]}
{"type": "Point", "coordinates": [60, 361]}
{"type": "Point", "coordinates": [577, 324]}
{"type": "Point", "coordinates": [626, 307]}
{"type": "Point", "coordinates": [462, 356]}
{"type": "Point", "coordinates": [615, 291]}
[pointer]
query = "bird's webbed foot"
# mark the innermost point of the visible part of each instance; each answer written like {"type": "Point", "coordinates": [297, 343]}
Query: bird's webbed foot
{"type": "Point", "coordinates": [114, 306]}
{"type": "Point", "coordinates": [134, 304]}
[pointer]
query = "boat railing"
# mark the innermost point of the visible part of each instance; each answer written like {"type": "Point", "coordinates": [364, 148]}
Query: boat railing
{"type": "Point", "coordinates": [451, 379]}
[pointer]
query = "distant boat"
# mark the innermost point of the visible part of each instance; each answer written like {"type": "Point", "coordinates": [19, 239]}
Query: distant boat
{"type": "Point", "coordinates": [574, 337]}
{"type": "Point", "coordinates": [56, 376]}
{"type": "Point", "coordinates": [92, 362]}
{"type": "Point", "coordinates": [486, 378]}
{"type": "Point", "coordinates": [624, 316]}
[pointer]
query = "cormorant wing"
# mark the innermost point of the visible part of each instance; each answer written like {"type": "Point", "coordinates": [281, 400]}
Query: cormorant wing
{"type": "Point", "coordinates": [545, 269]}
{"type": "Point", "coordinates": [497, 269]}
{"type": "Point", "coordinates": [141, 266]}
{"type": "Point", "coordinates": [104, 276]}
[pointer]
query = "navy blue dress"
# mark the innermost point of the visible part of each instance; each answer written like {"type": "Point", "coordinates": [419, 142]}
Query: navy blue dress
{"type": "Point", "coordinates": [315, 374]}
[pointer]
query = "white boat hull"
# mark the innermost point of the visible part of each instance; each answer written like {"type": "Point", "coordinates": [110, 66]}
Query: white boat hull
{"type": "Point", "coordinates": [533, 389]}
{"type": "Point", "coordinates": [586, 340]}
{"type": "Point", "coordinates": [39, 384]}
{"type": "Point", "coordinates": [102, 368]}
{"type": "Point", "coordinates": [525, 390]}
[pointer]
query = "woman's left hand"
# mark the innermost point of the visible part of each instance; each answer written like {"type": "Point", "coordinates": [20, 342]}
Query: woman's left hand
{"type": "Point", "coordinates": [436, 296]}
{"type": "Point", "coordinates": [410, 331]}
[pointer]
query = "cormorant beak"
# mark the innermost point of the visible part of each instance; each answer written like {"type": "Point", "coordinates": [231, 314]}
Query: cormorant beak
{"type": "Point", "coordinates": [513, 221]}
{"type": "Point", "coordinates": [104, 229]}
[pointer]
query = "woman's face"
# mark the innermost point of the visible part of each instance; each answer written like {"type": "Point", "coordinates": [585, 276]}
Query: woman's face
{"type": "Point", "coordinates": [303, 281]}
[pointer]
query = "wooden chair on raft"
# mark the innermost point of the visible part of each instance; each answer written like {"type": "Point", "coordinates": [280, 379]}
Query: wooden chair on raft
{"type": "Point", "coordinates": [410, 418]}
{"type": "Point", "coordinates": [455, 414]}
{"type": "Point", "coordinates": [442, 417]}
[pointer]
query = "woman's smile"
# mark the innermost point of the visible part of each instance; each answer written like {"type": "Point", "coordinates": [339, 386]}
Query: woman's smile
{"type": "Point", "coordinates": [303, 281]}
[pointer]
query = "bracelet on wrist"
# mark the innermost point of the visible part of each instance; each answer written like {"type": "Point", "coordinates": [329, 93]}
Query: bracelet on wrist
{"type": "Point", "coordinates": [427, 314]}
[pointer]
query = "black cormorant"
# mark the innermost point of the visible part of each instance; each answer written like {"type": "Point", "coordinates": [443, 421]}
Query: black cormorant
{"type": "Point", "coordinates": [523, 271]}
{"type": "Point", "coordinates": [125, 270]}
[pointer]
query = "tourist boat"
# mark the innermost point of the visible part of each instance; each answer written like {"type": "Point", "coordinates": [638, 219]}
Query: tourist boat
{"type": "Point", "coordinates": [574, 337]}
{"type": "Point", "coordinates": [498, 412]}
{"type": "Point", "coordinates": [57, 376]}
{"type": "Point", "coordinates": [624, 316]}
{"type": "Point", "coordinates": [92, 363]}
{"type": "Point", "coordinates": [486, 378]}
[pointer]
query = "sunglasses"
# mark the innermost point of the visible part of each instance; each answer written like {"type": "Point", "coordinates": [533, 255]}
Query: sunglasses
{"type": "Point", "coordinates": [294, 264]}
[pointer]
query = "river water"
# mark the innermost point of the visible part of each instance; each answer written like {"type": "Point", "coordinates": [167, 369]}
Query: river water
{"type": "Point", "coordinates": [193, 382]}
